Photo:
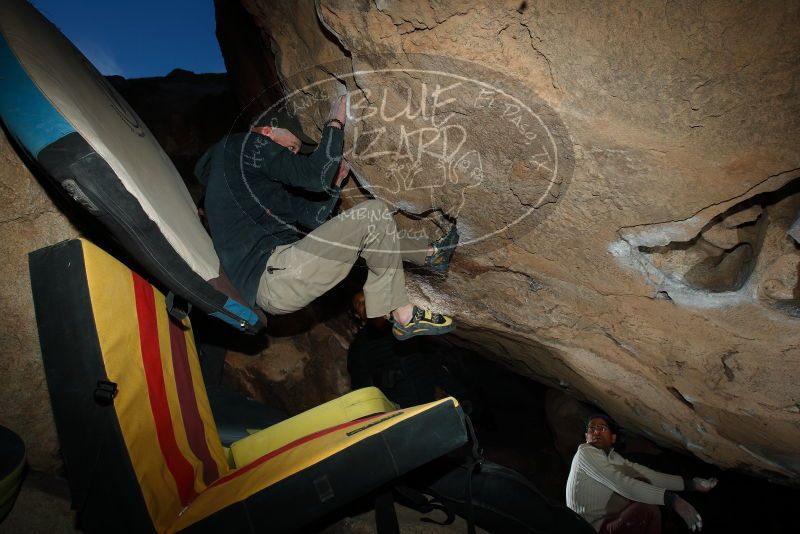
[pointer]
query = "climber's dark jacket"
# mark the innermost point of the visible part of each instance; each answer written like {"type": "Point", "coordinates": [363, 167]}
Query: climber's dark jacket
{"type": "Point", "coordinates": [258, 193]}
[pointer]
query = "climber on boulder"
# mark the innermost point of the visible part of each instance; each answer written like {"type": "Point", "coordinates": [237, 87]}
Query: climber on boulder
{"type": "Point", "coordinates": [620, 497]}
{"type": "Point", "coordinates": [260, 190]}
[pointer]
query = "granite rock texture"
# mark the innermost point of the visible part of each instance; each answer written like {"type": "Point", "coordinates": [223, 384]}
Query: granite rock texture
{"type": "Point", "coordinates": [293, 373]}
{"type": "Point", "coordinates": [622, 175]}
{"type": "Point", "coordinates": [28, 221]}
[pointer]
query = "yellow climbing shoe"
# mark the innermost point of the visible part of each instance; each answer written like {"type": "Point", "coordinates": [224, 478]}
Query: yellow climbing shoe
{"type": "Point", "coordinates": [423, 323]}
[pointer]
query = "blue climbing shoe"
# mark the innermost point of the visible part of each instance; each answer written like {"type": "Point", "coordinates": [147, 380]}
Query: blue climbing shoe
{"type": "Point", "coordinates": [443, 250]}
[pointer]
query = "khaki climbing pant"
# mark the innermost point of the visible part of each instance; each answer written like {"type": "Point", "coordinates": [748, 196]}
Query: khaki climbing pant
{"type": "Point", "coordinates": [298, 273]}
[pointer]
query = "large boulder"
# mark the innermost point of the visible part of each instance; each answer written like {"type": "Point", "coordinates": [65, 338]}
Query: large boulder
{"type": "Point", "coordinates": [294, 373]}
{"type": "Point", "coordinates": [28, 221]}
{"type": "Point", "coordinates": [623, 178]}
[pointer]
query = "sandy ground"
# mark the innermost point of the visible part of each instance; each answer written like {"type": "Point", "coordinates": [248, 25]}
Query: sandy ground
{"type": "Point", "coordinates": [43, 506]}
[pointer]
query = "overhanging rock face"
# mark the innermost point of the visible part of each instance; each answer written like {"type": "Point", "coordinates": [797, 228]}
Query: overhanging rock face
{"type": "Point", "coordinates": [623, 179]}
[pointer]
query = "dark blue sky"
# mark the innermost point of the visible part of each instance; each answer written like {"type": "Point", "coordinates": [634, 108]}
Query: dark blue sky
{"type": "Point", "coordinates": [137, 38]}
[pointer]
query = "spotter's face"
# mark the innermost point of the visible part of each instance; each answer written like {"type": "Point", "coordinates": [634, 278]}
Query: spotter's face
{"type": "Point", "coordinates": [600, 435]}
{"type": "Point", "coordinates": [359, 306]}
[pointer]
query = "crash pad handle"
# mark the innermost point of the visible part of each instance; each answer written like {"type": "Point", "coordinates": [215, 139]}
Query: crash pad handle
{"type": "Point", "coordinates": [105, 392]}
{"type": "Point", "coordinates": [178, 307]}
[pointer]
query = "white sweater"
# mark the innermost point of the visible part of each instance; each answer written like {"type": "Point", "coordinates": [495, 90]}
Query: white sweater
{"type": "Point", "coordinates": [601, 485]}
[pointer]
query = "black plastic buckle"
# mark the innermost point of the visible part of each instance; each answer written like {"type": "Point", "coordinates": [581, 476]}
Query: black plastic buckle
{"type": "Point", "coordinates": [105, 392]}
{"type": "Point", "coordinates": [178, 307]}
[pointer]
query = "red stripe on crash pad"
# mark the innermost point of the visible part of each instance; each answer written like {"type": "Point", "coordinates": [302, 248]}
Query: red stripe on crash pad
{"type": "Point", "coordinates": [178, 465]}
{"type": "Point", "coordinates": [292, 445]}
{"type": "Point", "coordinates": [195, 429]}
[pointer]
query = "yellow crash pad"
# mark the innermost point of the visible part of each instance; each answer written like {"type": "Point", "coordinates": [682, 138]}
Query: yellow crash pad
{"type": "Point", "coordinates": [354, 405]}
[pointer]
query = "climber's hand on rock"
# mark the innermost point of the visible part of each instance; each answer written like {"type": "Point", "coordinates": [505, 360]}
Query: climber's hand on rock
{"type": "Point", "coordinates": [339, 111]}
{"type": "Point", "coordinates": [341, 174]}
